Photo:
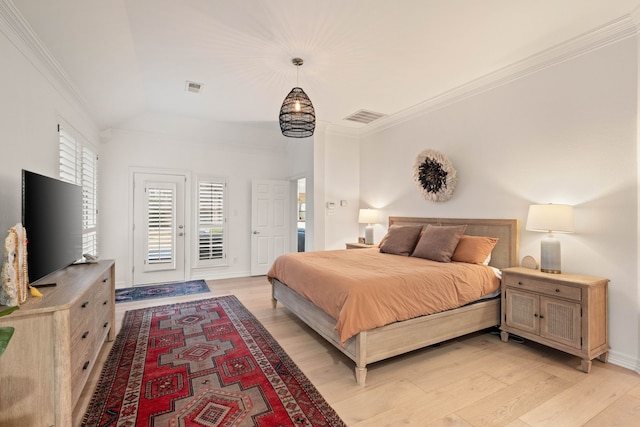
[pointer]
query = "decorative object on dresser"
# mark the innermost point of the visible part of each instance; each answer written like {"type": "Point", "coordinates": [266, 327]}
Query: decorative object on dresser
{"type": "Point", "coordinates": [529, 262]}
{"type": "Point", "coordinates": [15, 275]}
{"type": "Point", "coordinates": [567, 312]}
{"type": "Point", "coordinates": [55, 345]}
{"type": "Point", "coordinates": [208, 363]}
{"type": "Point", "coordinates": [358, 337]}
{"type": "Point", "coordinates": [369, 217]}
{"type": "Point", "coordinates": [434, 175]}
{"type": "Point", "coordinates": [550, 218]}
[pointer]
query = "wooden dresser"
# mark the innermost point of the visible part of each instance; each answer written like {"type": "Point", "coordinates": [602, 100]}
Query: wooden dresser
{"type": "Point", "coordinates": [55, 345]}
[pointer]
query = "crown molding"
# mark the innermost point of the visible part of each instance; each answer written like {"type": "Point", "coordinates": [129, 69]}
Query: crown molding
{"type": "Point", "coordinates": [22, 36]}
{"type": "Point", "coordinates": [339, 130]}
{"type": "Point", "coordinates": [615, 31]}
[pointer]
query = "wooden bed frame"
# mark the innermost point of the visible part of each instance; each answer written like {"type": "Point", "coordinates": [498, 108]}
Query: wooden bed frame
{"type": "Point", "coordinates": [401, 337]}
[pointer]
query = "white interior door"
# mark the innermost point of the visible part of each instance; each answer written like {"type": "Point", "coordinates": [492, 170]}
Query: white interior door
{"type": "Point", "coordinates": [158, 228]}
{"type": "Point", "coordinates": [270, 235]}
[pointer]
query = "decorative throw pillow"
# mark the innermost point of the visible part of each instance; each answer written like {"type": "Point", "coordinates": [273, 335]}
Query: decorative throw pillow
{"type": "Point", "coordinates": [474, 249]}
{"type": "Point", "coordinates": [438, 242]}
{"type": "Point", "coordinates": [400, 239]}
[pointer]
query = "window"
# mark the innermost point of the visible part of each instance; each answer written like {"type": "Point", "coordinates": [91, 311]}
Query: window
{"type": "Point", "coordinates": [211, 222]}
{"type": "Point", "coordinates": [79, 165]}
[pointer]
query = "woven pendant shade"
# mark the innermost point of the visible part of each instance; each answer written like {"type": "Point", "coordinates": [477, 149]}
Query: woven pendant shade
{"type": "Point", "coordinates": [297, 116]}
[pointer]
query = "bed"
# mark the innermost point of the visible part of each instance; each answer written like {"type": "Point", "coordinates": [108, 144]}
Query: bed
{"type": "Point", "coordinates": [399, 337]}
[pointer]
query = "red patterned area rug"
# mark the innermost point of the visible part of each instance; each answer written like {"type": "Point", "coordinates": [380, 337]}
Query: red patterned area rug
{"type": "Point", "coordinates": [202, 363]}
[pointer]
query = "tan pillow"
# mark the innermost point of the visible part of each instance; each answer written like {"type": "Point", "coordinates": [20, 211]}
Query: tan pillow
{"type": "Point", "coordinates": [438, 242]}
{"type": "Point", "coordinates": [474, 249]}
{"type": "Point", "coordinates": [400, 239]}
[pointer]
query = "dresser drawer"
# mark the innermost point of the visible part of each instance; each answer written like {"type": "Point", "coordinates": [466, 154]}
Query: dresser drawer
{"type": "Point", "coordinates": [82, 313]}
{"type": "Point", "coordinates": [552, 289]}
{"type": "Point", "coordinates": [82, 360]}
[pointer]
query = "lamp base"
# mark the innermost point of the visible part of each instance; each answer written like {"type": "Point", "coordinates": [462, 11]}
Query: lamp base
{"type": "Point", "coordinates": [550, 255]}
{"type": "Point", "coordinates": [368, 235]}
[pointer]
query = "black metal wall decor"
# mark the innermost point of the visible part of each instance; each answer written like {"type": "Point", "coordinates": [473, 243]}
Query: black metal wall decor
{"type": "Point", "coordinates": [434, 175]}
{"type": "Point", "coordinates": [297, 115]}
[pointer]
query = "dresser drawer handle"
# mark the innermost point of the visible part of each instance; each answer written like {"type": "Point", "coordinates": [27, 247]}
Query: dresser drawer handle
{"type": "Point", "coordinates": [520, 283]}
{"type": "Point", "coordinates": [106, 324]}
{"type": "Point", "coordinates": [85, 366]}
{"type": "Point", "coordinates": [85, 335]}
{"type": "Point", "coordinates": [105, 302]}
{"type": "Point", "coordinates": [105, 280]}
{"type": "Point", "coordinates": [558, 290]}
{"type": "Point", "coordinates": [85, 304]}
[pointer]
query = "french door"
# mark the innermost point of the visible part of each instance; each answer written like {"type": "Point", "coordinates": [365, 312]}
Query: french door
{"type": "Point", "coordinates": [158, 228]}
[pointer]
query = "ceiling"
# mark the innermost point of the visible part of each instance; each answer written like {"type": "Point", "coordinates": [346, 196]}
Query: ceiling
{"type": "Point", "coordinates": [128, 58]}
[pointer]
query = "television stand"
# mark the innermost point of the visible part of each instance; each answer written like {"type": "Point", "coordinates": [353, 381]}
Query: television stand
{"type": "Point", "coordinates": [55, 345]}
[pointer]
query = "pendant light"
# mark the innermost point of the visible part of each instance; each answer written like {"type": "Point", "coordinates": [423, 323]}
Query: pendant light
{"type": "Point", "coordinates": [297, 116]}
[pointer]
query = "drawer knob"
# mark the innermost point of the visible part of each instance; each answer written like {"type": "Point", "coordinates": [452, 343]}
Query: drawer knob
{"type": "Point", "coordinates": [85, 304]}
{"type": "Point", "coordinates": [105, 302]}
{"type": "Point", "coordinates": [558, 290]}
{"type": "Point", "coordinates": [85, 366]}
{"type": "Point", "coordinates": [520, 283]}
{"type": "Point", "coordinates": [106, 324]}
{"type": "Point", "coordinates": [105, 280]}
{"type": "Point", "coordinates": [85, 335]}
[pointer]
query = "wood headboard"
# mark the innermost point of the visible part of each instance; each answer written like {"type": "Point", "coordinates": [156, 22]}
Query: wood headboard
{"type": "Point", "coordinates": [506, 252]}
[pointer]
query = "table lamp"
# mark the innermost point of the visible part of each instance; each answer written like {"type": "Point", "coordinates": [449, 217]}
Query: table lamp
{"type": "Point", "coordinates": [368, 216]}
{"type": "Point", "coordinates": [550, 218]}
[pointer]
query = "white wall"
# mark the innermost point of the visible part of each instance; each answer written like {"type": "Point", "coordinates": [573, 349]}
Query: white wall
{"type": "Point", "coordinates": [237, 152]}
{"type": "Point", "coordinates": [32, 103]}
{"type": "Point", "coordinates": [565, 134]}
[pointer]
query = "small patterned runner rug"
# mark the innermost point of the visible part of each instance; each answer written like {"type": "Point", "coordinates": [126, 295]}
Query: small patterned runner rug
{"type": "Point", "coordinates": [161, 291]}
{"type": "Point", "coordinates": [202, 363]}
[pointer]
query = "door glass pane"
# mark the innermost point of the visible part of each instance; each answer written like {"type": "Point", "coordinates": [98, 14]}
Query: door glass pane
{"type": "Point", "coordinates": [160, 240]}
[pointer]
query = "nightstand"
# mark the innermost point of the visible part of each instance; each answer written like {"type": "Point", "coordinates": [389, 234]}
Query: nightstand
{"type": "Point", "coordinates": [565, 311]}
{"type": "Point", "coordinates": [359, 246]}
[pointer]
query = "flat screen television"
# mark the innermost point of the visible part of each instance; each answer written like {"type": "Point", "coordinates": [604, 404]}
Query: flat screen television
{"type": "Point", "coordinates": [52, 217]}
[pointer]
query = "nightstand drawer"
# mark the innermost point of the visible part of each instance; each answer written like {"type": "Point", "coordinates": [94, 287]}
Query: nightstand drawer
{"type": "Point", "coordinates": [552, 289]}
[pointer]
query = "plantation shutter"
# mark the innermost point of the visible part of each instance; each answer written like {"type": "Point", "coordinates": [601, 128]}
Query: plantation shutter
{"type": "Point", "coordinates": [79, 165]}
{"type": "Point", "coordinates": [211, 222]}
{"type": "Point", "coordinates": [160, 240]}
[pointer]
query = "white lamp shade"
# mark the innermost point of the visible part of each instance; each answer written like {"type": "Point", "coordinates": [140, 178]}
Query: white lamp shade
{"type": "Point", "coordinates": [550, 218]}
{"type": "Point", "coordinates": [368, 216]}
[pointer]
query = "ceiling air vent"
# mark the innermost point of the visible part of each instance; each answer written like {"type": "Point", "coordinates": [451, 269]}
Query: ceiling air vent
{"type": "Point", "coordinates": [193, 87]}
{"type": "Point", "coordinates": [364, 116]}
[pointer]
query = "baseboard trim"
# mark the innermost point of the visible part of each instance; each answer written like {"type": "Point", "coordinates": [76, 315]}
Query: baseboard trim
{"type": "Point", "coordinates": [624, 361]}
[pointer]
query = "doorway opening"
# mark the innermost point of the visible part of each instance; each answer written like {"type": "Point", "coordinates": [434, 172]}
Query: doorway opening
{"type": "Point", "coordinates": [301, 212]}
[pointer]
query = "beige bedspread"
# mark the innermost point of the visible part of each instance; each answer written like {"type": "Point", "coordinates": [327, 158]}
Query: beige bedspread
{"type": "Point", "coordinates": [363, 289]}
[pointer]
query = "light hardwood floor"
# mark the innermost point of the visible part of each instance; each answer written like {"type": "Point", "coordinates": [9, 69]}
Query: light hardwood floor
{"type": "Point", "coordinates": [476, 380]}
